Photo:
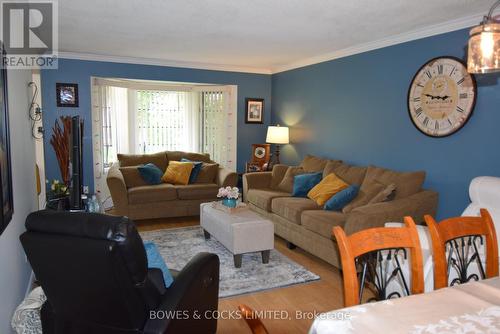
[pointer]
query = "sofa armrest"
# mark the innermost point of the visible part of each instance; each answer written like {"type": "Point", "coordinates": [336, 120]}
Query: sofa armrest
{"type": "Point", "coordinates": [258, 180]}
{"type": "Point", "coordinates": [226, 177]}
{"type": "Point", "coordinates": [279, 172]}
{"type": "Point", "coordinates": [118, 190]}
{"type": "Point", "coordinates": [376, 215]}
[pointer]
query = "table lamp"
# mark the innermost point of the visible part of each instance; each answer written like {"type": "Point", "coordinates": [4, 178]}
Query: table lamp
{"type": "Point", "coordinates": [277, 135]}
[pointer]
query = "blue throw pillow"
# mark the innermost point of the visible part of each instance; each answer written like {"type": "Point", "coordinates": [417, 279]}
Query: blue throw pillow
{"type": "Point", "coordinates": [195, 171]}
{"type": "Point", "coordinates": [304, 182]}
{"type": "Point", "coordinates": [156, 261]}
{"type": "Point", "coordinates": [150, 173]}
{"type": "Point", "coordinates": [342, 198]}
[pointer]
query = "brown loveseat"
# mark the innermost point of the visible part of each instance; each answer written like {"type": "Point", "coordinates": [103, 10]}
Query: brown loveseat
{"type": "Point", "coordinates": [134, 198]}
{"type": "Point", "coordinates": [302, 222]}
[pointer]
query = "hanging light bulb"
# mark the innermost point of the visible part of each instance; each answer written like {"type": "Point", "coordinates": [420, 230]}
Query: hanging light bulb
{"type": "Point", "coordinates": [484, 45]}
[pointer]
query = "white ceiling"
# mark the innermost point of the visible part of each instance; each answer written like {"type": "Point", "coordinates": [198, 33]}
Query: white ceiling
{"type": "Point", "coordinates": [251, 35]}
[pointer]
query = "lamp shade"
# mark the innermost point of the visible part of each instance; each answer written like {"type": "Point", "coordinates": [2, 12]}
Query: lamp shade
{"type": "Point", "coordinates": [484, 48]}
{"type": "Point", "coordinates": [277, 135]}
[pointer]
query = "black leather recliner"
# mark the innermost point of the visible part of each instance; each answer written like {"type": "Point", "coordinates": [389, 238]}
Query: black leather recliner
{"type": "Point", "coordinates": [93, 269]}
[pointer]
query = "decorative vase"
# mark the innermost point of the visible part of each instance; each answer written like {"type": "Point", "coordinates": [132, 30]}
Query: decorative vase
{"type": "Point", "coordinates": [229, 202]}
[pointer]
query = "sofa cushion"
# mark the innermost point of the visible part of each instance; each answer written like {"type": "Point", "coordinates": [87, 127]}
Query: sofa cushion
{"type": "Point", "coordinates": [303, 183]}
{"type": "Point", "coordinates": [159, 159]}
{"type": "Point", "coordinates": [348, 173]}
{"type": "Point", "coordinates": [365, 195]}
{"type": "Point", "coordinates": [322, 222]}
{"type": "Point", "coordinates": [178, 155]}
{"type": "Point", "coordinates": [291, 208]}
{"type": "Point", "coordinates": [313, 164]}
{"type": "Point", "coordinates": [338, 201]}
{"type": "Point", "coordinates": [195, 171]}
{"type": "Point", "coordinates": [178, 172]}
{"type": "Point", "coordinates": [328, 187]}
{"type": "Point", "coordinates": [132, 177]}
{"type": "Point", "coordinates": [262, 198]}
{"type": "Point", "coordinates": [208, 173]}
{"type": "Point", "coordinates": [150, 194]}
{"type": "Point", "coordinates": [286, 183]}
{"type": "Point", "coordinates": [197, 191]}
{"type": "Point", "coordinates": [150, 173]}
{"type": "Point", "coordinates": [407, 183]}
{"type": "Point", "coordinates": [330, 166]}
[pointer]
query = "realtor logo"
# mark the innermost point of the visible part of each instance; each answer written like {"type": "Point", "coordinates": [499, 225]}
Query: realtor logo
{"type": "Point", "coordinates": [29, 34]}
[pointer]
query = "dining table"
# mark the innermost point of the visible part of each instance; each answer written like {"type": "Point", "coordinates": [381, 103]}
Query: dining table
{"type": "Point", "coordinates": [473, 307]}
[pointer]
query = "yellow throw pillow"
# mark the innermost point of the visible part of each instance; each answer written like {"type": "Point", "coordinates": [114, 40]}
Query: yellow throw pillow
{"type": "Point", "coordinates": [328, 187]}
{"type": "Point", "coordinates": [178, 172]}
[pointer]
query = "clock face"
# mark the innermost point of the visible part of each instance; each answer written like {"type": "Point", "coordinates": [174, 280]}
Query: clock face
{"type": "Point", "coordinates": [441, 97]}
{"type": "Point", "coordinates": [260, 152]}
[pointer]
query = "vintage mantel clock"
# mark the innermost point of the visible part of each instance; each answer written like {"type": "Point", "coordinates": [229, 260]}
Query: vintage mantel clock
{"type": "Point", "coordinates": [441, 96]}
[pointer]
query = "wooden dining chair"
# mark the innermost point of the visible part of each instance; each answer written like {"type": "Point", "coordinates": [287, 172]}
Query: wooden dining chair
{"type": "Point", "coordinates": [387, 242]}
{"type": "Point", "coordinates": [252, 320]}
{"type": "Point", "coordinates": [459, 236]}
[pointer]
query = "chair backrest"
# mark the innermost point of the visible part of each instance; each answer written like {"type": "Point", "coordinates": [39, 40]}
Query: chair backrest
{"type": "Point", "coordinates": [92, 267]}
{"type": "Point", "coordinates": [373, 241]}
{"type": "Point", "coordinates": [460, 237]}
{"type": "Point", "coordinates": [252, 320]}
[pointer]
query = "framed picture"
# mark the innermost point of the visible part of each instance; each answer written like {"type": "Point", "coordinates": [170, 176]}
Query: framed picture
{"type": "Point", "coordinates": [254, 111]}
{"type": "Point", "coordinates": [67, 95]}
{"type": "Point", "coordinates": [252, 167]}
{"type": "Point", "coordinates": [6, 198]}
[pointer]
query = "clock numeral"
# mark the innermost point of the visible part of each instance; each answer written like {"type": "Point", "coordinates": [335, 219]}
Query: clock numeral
{"type": "Point", "coordinates": [418, 111]}
{"type": "Point", "coordinates": [420, 85]}
{"type": "Point", "coordinates": [436, 125]}
{"type": "Point", "coordinates": [463, 95]}
{"type": "Point", "coordinates": [452, 71]}
{"type": "Point", "coordinates": [416, 99]}
{"type": "Point", "coordinates": [449, 121]}
{"type": "Point", "coordinates": [459, 109]}
{"type": "Point", "coordinates": [459, 82]}
{"type": "Point", "coordinates": [440, 69]}
{"type": "Point", "coordinates": [428, 73]}
{"type": "Point", "coordinates": [426, 121]}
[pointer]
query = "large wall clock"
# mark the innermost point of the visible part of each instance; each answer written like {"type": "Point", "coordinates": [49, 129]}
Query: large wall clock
{"type": "Point", "coordinates": [441, 97]}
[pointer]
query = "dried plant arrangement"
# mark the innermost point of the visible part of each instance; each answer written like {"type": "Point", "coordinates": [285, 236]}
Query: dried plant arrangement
{"type": "Point", "coordinates": [60, 142]}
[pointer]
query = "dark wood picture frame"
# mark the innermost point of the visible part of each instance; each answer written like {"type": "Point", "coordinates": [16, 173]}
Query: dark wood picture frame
{"type": "Point", "coordinates": [254, 111]}
{"type": "Point", "coordinates": [6, 196]}
{"type": "Point", "coordinates": [67, 95]}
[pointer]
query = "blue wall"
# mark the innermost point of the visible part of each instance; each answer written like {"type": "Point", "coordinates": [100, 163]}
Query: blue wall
{"type": "Point", "coordinates": [355, 109]}
{"type": "Point", "coordinates": [78, 71]}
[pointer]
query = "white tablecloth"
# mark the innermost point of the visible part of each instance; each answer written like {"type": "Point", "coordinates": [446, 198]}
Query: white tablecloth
{"type": "Point", "coordinates": [467, 308]}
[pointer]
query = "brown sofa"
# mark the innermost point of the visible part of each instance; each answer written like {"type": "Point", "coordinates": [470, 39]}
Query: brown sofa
{"type": "Point", "coordinates": [134, 198]}
{"type": "Point", "coordinates": [303, 223]}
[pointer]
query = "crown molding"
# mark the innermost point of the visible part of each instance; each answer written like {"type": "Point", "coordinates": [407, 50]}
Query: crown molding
{"type": "Point", "coordinates": [161, 62]}
{"type": "Point", "coordinates": [433, 30]}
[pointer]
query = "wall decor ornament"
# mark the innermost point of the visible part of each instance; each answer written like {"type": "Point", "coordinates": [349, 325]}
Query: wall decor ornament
{"type": "Point", "coordinates": [254, 111]}
{"type": "Point", "coordinates": [67, 95]}
{"type": "Point", "coordinates": [441, 96]}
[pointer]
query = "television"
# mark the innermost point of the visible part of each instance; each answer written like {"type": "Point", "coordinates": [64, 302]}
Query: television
{"type": "Point", "coordinates": [75, 165]}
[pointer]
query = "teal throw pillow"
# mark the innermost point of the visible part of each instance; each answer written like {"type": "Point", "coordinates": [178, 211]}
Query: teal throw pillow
{"type": "Point", "coordinates": [304, 182]}
{"type": "Point", "coordinates": [155, 260]}
{"type": "Point", "coordinates": [150, 173]}
{"type": "Point", "coordinates": [342, 198]}
{"type": "Point", "coordinates": [195, 171]}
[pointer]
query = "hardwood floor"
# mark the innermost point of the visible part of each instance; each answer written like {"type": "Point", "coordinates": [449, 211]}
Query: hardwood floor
{"type": "Point", "coordinates": [310, 298]}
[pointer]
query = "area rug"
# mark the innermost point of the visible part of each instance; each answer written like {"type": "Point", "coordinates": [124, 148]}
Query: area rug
{"type": "Point", "coordinates": [178, 246]}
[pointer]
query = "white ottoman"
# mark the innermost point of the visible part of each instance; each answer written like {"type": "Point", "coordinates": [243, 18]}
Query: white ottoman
{"type": "Point", "coordinates": [240, 232]}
